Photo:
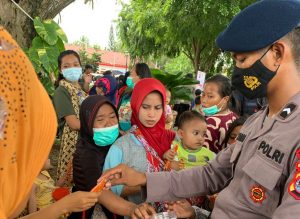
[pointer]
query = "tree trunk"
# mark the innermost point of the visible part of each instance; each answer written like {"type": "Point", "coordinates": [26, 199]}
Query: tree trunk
{"type": "Point", "coordinates": [197, 59]}
{"type": "Point", "coordinates": [19, 25]}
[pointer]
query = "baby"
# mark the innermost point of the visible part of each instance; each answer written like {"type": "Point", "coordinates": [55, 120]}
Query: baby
{"type": "Point", "coordinates": [187, 149]}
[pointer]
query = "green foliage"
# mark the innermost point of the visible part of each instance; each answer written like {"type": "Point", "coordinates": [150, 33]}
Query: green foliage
{"type": "Point", "coordinates": [49, 31]}
{"type": "Point", "coordinates": [169, 27]}
{"type": "Point", "coordinates": [86, 58]}
{"type": "Point", "coordinates": [45, 49]}
{"type": "Point", "coordinates": [82, 42]}
{"type": "Point", "coordinates": [111, 41]}
{"type": "Point", "coordinates": [178, 64]}
{"type": "Point", "coordinates": [176, 83]}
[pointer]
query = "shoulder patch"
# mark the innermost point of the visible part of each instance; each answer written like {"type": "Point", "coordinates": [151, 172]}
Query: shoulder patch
{"type": "Point", "coordinates": [288, 110]}
{"type": "Point", "coordinates": [294, 187]}
{"type": "Point", "coordinates": [257, 194]}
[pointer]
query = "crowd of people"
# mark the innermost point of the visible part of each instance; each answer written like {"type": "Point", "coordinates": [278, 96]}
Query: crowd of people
{"type": "Point", "coordinates": [234, 153]}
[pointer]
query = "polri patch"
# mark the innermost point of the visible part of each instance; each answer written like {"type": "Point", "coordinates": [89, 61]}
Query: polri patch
{"type": "Point", "coordinates": [257, 194]}
{"type": "Point", "coordinates": [270, 152]}
{"type": "Point", "coordinates": [287, 111]}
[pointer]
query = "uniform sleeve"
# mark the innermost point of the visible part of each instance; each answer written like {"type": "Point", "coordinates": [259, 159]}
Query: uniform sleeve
{"type": "Point", "coordinates": [113, 158]}
{"type": "Point", "coordinates": [201, 180]}
{"type": "Point", "coordinates": [62, 103]}
{"type": "Point", "coordinates": [290, 204]}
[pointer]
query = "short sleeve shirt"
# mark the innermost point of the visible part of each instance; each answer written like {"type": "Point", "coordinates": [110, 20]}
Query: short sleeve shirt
{"type": "Point", "coordinates": [63, 106]}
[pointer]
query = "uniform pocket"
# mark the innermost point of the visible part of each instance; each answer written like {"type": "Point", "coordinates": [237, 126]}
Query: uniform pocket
{"type": "Point", "coordinates": [263, 172]}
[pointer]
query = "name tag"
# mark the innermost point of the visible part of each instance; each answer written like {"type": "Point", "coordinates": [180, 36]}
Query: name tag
{"type": "Point", "coordinates": [270, 152]}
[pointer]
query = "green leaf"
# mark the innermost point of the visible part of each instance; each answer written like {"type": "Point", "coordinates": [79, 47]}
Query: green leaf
{"type": "Point", "coordinates": [181, 93]}
{"type": "Point", "coordinates": [46, 30]}
{"type": "Point", "coordinates": [47, 83]}
{"type": "Point", "coordinates": [34, 58]}
{"type": "Point", "coordinates": [60, 45]}
{"type": "Point", "coordinates": [46, 53]}
{"type": "Point", "coordinates": [60, 33]}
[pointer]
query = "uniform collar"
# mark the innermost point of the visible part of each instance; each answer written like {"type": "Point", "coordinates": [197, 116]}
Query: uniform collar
{"type": "Point", "coordinates": [286, 114]}
{"type": "Point", "coordinates": [290, 110]}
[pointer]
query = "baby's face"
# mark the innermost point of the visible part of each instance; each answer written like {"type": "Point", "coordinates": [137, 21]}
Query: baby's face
{"type": "Point", "coordinates": [193, 134]}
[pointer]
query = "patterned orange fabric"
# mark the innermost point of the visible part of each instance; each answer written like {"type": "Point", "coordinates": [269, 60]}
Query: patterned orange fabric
{"type": "Point", "coordinates": [27, 126]}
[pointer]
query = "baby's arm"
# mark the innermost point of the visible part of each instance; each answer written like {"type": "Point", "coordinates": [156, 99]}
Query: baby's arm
{"type": "Point", "coordinates": [169, 155]}
{"type": "Point", "coordinates": [32, 205]}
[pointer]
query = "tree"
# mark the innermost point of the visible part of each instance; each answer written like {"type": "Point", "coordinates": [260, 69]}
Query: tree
{"type": "Point", "coordinates": [85, 58]}
{"type": "Point", "coordinates": [177, 83]}
{"type": "Point", "coordinates": [112, 42]}
{"type": "Point", "coordinates": [19, 25]}
{"type": "Point", "coordinates": [178, 64]}
{"type": "Point", "coordinates": [171, 27]}
{"type": "Point", "coordinates": [83, 42]}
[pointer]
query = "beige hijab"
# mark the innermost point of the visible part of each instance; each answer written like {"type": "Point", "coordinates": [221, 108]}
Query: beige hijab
{"type": "Point", "coordinates": [27, 126]}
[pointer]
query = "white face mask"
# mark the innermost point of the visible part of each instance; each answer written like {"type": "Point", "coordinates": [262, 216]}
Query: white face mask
{"type": "Point", "coordinates": [72, 74]}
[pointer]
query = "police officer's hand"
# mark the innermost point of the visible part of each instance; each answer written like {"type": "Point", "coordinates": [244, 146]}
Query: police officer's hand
{"type": "Point", "coordinates": [123, 175]}
{"type": "Point", "coordinates": [182, 209]}
{"type": "Point", "coordinates": [177, 165]}
{"type": "Point", "coordinates": [143, 210]}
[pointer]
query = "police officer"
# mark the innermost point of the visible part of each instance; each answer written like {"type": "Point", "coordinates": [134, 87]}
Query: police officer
{"type": "Point", "coordinates": [259, 176]}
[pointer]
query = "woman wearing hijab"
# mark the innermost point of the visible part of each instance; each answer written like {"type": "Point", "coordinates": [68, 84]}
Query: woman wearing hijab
{"type": "Point", "coordinates": [106, 86]}
{"type": "Point", "coordinates": [27, 131]}
{"type": "Point", "coordinates": [139, 71]}
{"type": "Point", "coordinates": [143, 147]}
{"type": "Point", "coordinates": [99, 130]}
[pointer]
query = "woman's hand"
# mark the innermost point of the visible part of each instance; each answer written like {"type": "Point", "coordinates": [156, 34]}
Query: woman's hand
{"type": "Point", "coordinates": [182, 209]}
{"type": "Point", "coordinates": [123, 175]}
{"type": "Point", "coordinates": [78, 201]}
{"type": "Point", "coordinates": [143, 210]}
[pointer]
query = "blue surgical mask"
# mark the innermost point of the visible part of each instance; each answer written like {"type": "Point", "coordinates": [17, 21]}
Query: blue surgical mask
{"type": "Point", "coordinates": [72, 74]}
{"type": "Point", "coordinates": [129, 82]}
{"type": "Point", "coordinates": [210, 111]}
{"type": "Point", "coordinates": [105, 136]}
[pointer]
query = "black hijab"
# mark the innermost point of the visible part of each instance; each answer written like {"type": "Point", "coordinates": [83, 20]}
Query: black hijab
{"type": "Point", "coordinates": [89, 158]}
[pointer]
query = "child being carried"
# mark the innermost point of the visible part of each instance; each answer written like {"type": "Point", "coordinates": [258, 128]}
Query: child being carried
{"type": "Point", "coordinates": [187, 149]}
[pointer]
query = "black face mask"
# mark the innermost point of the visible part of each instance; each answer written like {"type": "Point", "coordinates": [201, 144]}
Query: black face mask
{"type": "Point", "coordinates": [252, 82]}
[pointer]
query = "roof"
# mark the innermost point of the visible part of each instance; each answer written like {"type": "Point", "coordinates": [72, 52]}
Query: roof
{"type": "Point", "coordinates": [108, 58]}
